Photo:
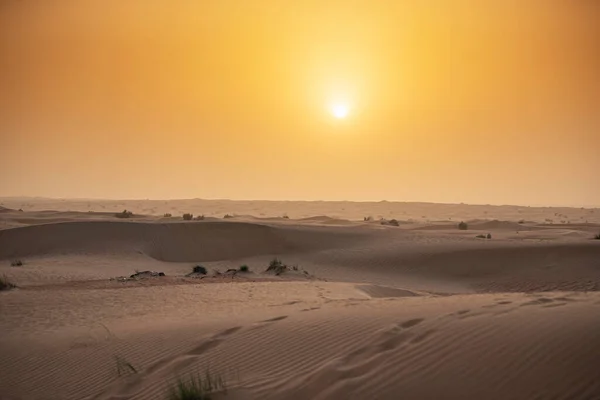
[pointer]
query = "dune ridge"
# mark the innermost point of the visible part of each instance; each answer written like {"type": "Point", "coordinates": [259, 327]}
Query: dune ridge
{"type": "Point", "coordinates": [177, 241]}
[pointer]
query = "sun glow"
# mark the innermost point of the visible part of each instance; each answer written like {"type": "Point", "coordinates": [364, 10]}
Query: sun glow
{"type": "Point", "coordinates": [339, 110]}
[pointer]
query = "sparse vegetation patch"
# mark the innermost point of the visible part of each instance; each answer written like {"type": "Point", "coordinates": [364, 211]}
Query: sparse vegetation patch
{"type": "Point", "coordinates": [276, 266]}
{"type": "Point", "coordinates": [146, 274]}
{"type": "Point", "coordinates": [16, 263]}
{"type": "Point", "coordinates": [463, 226]}
{"type": "Point", "coordinates": [6, 284]}
{"type": "Point", "coordinates": [124, 214]}
{"type": "Point", "coordinates": [597, 237]}
{"type": "Point", "coordinates": [197, 387]}
{"type": "Point", "coordinates": [188, 216]}
{"type": "Point", "coordinates": [199, 269]}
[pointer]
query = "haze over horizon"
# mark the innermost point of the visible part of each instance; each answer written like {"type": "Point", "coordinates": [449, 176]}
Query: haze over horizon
{"type": "Point", "coordinates": [448, 102]}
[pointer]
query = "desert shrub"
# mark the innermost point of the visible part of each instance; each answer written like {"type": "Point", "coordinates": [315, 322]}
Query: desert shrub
{"type": "Point", "coordinates": [522, 221]}
{"type": "Point", "coordinates": [480, 236]}
{"type": "Point", "coordinates": [198, 388]}
{"type": "Point", "coordinates": [285, 216]}
{"type": "Point", "coordinates": [489, 236]}
{"type": "Point", "coordinates": [199, 217]}
{"type": "Point", "coordinates": [368, 219]}
{"type": "Point", "coordinates": [16, 263]}
{"type": "Point", "coordinates": [393, 222]}
{"type": "Point", "coordinates": [597, 237]}
{"type": "Point", "coordinates": [276, 266]}
{"type": "Point", "coordinates": [228, 216]}
{"type": "Point", "coordinates": [188, 217]}
{"type": "Point", "coordinates": [199, 269]}
{"type": "Point", "coordinates": [6, 284]}
{"type": "Point", "coordinates": [168, 215]}
{"type": "Point", "coordinates": [244, 268]}
{"type": "Point", "coordinates": [124, 214]}
{"type": "Point", "coordinates": [463, 226]}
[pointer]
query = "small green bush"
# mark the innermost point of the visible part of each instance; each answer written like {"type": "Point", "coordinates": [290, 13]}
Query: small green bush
{"type": "Point", "coordinates": [463, 226]}
{"type": "Point", "coordinates": [188, 217]}
{"type": "Point", "coordinates": [244, 268]}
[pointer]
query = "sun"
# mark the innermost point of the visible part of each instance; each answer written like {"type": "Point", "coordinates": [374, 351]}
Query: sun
{"type": "Point", "coordinates": [339, 110]}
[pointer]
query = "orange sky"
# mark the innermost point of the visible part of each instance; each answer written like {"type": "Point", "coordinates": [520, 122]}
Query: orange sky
{"type": "Point", "coordinates": [450, 101]}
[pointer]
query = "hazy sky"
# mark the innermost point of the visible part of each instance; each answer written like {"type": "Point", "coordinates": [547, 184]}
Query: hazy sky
{"type": "Point", "coordinates": [448, 101]}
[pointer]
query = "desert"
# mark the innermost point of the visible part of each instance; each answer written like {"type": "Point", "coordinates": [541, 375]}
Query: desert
{"type": "Point", "coordinates": [363, 308]}
{"type": "Point", "coordinates": [299, 200]}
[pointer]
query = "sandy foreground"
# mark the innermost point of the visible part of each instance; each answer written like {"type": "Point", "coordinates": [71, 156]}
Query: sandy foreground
{"type": "Point", "coordinates": [416, 311]}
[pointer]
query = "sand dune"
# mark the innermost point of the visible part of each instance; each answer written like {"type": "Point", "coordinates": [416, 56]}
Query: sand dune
{"type": "Point", "coordinates": [319, 340]}
{"type": "Point", "coordinates": [177, 241]}
{"type": "Point", "coordinates": [419, 311]}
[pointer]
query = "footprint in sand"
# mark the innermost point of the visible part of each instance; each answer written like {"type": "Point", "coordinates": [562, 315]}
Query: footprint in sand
{"type": "Point", "coordinates": [411, 322]}
{"type": "Point", "coordinates": [275, 319]}
{"type": "Point", "coordinates": [213, 341]}
{"type": "Point", "coordinates": [423, 336]}
{"type": "Point", "coordinates": [540, 301]}
{"type": "Point", "coordinates": [130, 388]}
{"type": "Point", "coordinates": [267, 322]}
{"type": "Point", "coordinates": [554, 305]}
{"type": "Point", "coordinates": [311, 309]}
{"type": "Point", "coordinates": [289, 303]}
